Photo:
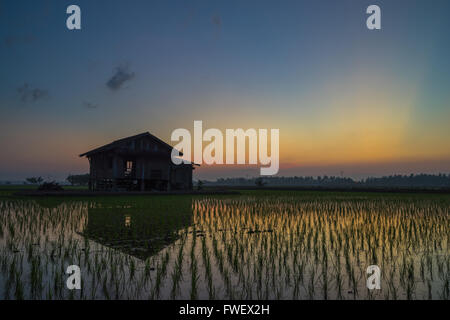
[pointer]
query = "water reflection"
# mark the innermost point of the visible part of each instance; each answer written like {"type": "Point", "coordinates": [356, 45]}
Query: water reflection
{"type": "Point", "coordinates": [140, 232]}
{"type": "Point", "coordinates": [247, 247]}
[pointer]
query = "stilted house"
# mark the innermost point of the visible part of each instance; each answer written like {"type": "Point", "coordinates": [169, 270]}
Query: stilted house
{"type": "Point", "coordinates": [141, 162]}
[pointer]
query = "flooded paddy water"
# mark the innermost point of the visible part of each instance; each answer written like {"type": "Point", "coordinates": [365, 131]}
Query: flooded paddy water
{"type": "Point", "coordinates": [268, 245]}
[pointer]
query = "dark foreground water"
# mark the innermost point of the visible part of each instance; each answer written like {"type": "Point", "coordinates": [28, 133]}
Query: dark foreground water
{"type": "Point", "coordinates": [242, 247]}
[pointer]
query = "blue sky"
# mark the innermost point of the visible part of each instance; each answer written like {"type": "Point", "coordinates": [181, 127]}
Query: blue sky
{"type": "Point", "coordinates": [310, 68]}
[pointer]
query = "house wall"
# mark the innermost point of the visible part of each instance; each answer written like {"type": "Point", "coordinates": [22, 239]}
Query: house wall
{"type": "Point", "coordinates": [151, 162]}
{"type": "Point", "coordinates": [148, 168]}
{"type": "Point", "coordinates": [182, 176]}
{"type": "Point", "coordinates": [101, 166]}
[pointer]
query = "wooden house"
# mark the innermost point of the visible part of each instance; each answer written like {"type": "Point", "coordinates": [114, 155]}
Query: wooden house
{"type": "Point", "coordinates": [141, 162]}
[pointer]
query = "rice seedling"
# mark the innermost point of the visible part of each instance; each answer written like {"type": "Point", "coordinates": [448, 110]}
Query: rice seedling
{"type": "Point", "coordinates": [260, 245]}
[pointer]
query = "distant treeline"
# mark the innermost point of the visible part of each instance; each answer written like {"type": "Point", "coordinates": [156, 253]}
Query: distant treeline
{"type": "Point", "coordinates": [393, 181]}
{"type": "Point", "coordinates": [78, 179]}
{"type": "Point", "coordinates": [73, 179]}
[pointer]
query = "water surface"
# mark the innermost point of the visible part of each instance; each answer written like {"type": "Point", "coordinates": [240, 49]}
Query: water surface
{"type": "Point", "coordinates": [255, 246]}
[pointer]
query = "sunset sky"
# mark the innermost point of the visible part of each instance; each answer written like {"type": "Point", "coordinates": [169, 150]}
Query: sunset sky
{"type": "Point", "coordinates": [345, 98]}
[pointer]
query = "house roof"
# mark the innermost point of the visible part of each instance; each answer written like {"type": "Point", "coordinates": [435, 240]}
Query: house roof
{"type": "Point", "coordinates": [117, 143]}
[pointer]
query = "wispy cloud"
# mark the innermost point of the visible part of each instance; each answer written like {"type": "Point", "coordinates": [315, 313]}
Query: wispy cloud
{"type": "Point", "coordinates": [13, 40]}
{"type": "Point", "coordinates": [217, 21]}
{"type": "Point", "coordinates": [120, 76]}
{"type": "Point", "coordinates": [90, 105]}
{"type": "Point", "coordinates": [30, 93]}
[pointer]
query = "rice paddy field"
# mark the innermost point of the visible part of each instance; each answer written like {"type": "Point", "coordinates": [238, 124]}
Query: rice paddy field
{"type": "Point", "coordinates": [257, 245]}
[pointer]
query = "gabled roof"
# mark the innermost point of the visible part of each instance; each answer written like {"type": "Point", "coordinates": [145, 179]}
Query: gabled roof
{"type": "Point", "coordinates": [119, 142]}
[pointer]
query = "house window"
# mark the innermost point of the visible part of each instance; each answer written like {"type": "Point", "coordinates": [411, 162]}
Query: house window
{"type": "Point", "coordinates": [127, 221]}
{"type": "Point", "coordinates": [128, 168]}
{"type": "Point", "coordinates": [110, 163]}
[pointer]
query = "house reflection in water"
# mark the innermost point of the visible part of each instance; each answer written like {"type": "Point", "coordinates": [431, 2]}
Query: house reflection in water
{"type": "Point", "coordinates": [140, 232]}
{"type": "Point", "coordinates": [127, 221]}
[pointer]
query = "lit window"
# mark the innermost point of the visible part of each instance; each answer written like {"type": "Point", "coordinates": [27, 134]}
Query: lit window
{"type": "Point", "coordinates": [127, 221]}
{"type": "Point", "coordinates": [129, 168]}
